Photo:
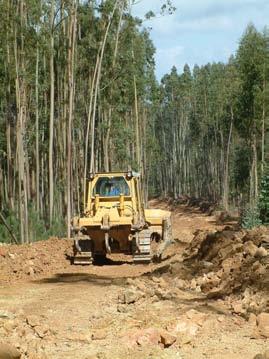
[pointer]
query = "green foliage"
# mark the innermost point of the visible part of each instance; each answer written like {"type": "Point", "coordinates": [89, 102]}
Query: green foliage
{"type": "Point", "coordinates": [150, 14]}
{"type": "Point", "coordinates": [251, 56]}
{"type": "Point", "coordinates": [240, 167]}
{"type": "Point", "coordinates": [263, 204]}
{"type": "Point", "coordinates": [168, 8]}
{"type": "Point", "coordinates": [251, 218]}
{"type": "Point", "coordinates": [38, 230]}
{"type": "Point", "coordinates": [13, 223]}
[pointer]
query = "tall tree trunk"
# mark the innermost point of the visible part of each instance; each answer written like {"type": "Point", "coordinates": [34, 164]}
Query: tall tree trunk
{"type": "Point", "coordinates": [97, 85]}
{"type": "Point", "coordinates": [255, 166]}
{"type": "Point", "coordinates": [106, 141]}
{"type": "Point", "coordinates": [51, 122]}
{"type": "Point", "coordinates": [253, 174]}
{"type": "Point", "coordinates": [21, 122]}
{"type": "Point", "coordinates": [226, 168]}
{"type": "Point", "coordinates": [88, 129]}
{"type": "Point", "coordinates": [137, 132]}
{"type": "Point", "coordinates": [263, 126]}
{"type": "Point", "coordinates": [71, 55]}
{"type": "Point", "coordinates": [107, 135]}
{"type": "Point", "coordinates": [37, 132]}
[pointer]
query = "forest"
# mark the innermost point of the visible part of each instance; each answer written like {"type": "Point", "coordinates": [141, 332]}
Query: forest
{"type": "Point", "coordinates": [78, 94]}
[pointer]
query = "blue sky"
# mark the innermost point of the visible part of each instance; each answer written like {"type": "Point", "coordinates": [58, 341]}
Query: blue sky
{"type": "Point", "coordinates": [200, 31]}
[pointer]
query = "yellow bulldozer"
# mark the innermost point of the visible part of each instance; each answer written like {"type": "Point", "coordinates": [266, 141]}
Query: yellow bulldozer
{"type": "Point", "coordinates": [115, 221]}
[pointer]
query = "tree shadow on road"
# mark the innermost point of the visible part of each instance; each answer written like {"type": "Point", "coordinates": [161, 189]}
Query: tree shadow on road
{"type": "Point", "coordinates": [81, 278]}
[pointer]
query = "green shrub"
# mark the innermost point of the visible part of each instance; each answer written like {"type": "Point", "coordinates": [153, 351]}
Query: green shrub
{"type": "Point", "coordinates": [13, 223]}
{"type": "Point", "coordinates": [38, 228]}
{"type": "Point", "coordinates": [251, 218]}
{"type": "Point", "coordinates": [263, 204]}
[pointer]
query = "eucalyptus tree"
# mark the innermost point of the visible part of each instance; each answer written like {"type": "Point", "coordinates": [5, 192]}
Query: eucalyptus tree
{"type": "Point", "coordinates": [252, 56]}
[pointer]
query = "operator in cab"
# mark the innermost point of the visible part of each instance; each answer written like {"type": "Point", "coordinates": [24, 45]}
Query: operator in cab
{"type": "Point", "coordinates": [111, 190]}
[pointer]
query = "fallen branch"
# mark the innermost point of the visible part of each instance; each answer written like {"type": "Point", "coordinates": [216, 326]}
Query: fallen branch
{"type": "Point", "coordinates": [12, 235]}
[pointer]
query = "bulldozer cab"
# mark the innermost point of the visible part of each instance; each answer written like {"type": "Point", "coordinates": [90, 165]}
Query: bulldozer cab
{"type": "Point", "coordinates": [111, 187]}
{"type": "Point", "coordinates": [115, 190]}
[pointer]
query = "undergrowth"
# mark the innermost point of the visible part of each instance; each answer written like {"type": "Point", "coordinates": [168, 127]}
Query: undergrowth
{"type": "Point", "coordinates": [38, 229]}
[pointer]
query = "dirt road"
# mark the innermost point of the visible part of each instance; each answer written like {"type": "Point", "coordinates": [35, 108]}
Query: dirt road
{"type": "Point", "coordinates": [117, 310]}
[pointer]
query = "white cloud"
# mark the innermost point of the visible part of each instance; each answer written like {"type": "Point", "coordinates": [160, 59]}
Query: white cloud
{"type": "Point", "coordinates": [201, 8]}
{"type": "Point", "coordinates": [210, 23]}
{"type": "Point", "coordinates": [207, 8]}
{"type": "Point", "coordinates": [168, 57]}
{"type": "Point", "coordinates": [165, 25]}
{"type": "Point", "coordinates": [170, 25]}
{"type": "Point", "coordinates": [200, 31]}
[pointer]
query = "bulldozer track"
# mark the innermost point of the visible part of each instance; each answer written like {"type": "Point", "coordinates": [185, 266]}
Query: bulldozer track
{"type": "Point", "coordinates": [142, 247]}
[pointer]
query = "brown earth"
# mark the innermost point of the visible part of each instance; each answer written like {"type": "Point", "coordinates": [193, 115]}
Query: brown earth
{"type": "Point", "coordinates": [207, 299]}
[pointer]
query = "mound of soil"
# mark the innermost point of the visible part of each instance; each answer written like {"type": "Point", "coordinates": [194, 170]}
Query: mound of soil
{"type": "Point", "coordinates": [230, 262]}
{"type": "Point", "coordinates": [18, 262]}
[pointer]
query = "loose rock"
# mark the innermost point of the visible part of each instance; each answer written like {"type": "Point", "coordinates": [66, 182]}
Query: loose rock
{"type": "Point", "coordinates": [129, 296]}
{"type": "Point", "coordinates": [167, 339]}
{"type": "Point", "coordinates": [261, 252]}
{"type": "Point", "coordinates": [250, 248]}
{"type": "Point", "coordinates": [9, 352]}
{"type": "Point", "coordinates": [263, 324]}
{"type": "Point", "coordinates": [252, 319]}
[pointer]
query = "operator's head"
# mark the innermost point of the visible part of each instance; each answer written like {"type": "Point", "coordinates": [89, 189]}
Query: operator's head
{"type": "Point", "coordinates": [108, 186]}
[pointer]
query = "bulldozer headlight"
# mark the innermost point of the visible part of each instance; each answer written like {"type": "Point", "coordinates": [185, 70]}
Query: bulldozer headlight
{"type": "Point", "coordinates": [91, 176]}
{"type": "Point", "coordinates": [129, 174]}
